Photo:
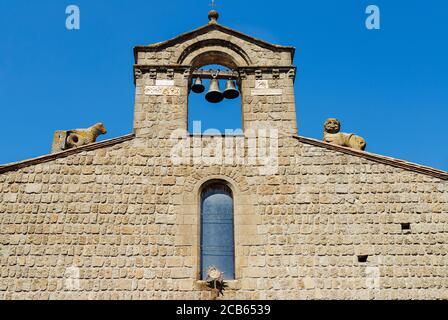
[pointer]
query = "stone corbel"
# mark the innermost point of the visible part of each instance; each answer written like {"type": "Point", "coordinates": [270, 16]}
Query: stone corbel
{"type": "Point", "coordinates": [153, 74]}
{"type": "Point", "coordinates": [187, 74]}
{"type": "Point", "coordinates": [170, 74]}
{"type": "Point", "coordinates": [138, 73]}
{"type": "Point", "coordinates": [292, 74]}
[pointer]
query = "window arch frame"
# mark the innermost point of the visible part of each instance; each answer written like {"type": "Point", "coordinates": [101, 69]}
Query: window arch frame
{"type": "Point", "coordinates": [246, 220]}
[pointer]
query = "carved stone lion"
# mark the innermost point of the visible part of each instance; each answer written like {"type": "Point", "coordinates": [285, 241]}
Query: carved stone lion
{"type": "Point", "coordinates": [81, 137]}
{"type": "Point", "coordinates": [333, 135]}
{"type": "Point", "coordinates": [68, 139]}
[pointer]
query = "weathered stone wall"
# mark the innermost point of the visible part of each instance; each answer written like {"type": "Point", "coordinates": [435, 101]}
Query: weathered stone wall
{"type": "Point", "coordinates": [124, 220]}
{"type": "Point", "coordinates": [158, 116]}
{"type": "Point", "coordinates": [270, 111]}
{"type": "Point", "coordinates": [129, 220]}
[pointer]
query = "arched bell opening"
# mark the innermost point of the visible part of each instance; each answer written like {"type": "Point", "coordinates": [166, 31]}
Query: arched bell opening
{"type": "Point", "coordinates": [214, 101]}
{"type": "Point", "coordinates": [219, 59]}
{"type": "Point", "coordinates": [214, 58]}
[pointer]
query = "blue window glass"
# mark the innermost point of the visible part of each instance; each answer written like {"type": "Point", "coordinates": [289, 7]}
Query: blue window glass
{"type": "Point", "coordinates": [217, 237]}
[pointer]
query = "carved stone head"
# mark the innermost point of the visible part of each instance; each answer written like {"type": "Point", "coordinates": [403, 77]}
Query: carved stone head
{"type": "Point", "coordinates": [99, 127]}
{"type": "Point", "coordinates": [332, 126]}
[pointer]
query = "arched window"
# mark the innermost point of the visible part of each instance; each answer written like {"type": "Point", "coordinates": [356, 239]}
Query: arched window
{"type": "Point", "coordinates": [217, 235]}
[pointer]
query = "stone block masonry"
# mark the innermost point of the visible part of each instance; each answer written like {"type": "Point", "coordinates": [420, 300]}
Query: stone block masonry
{"type": "Point", "coordinates": [130, 228]}
{"type": "Point", "coordinates": [118, 219]}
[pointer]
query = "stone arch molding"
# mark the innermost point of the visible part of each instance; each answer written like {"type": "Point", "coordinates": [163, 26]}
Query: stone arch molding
{"type": "Point", "coordinates": [214, 51]}
{"type": "Point", "coordinates": [234, 178]}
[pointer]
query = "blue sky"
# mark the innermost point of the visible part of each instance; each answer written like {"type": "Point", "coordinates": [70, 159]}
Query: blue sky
{"type": "Point", "coordinates": [390, 86]}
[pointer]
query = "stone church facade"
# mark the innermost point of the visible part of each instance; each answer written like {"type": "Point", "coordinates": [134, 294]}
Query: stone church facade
{"type": "Point", "coordinates": [118, 219]}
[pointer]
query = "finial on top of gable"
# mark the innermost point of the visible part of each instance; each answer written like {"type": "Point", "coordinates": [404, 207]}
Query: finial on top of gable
{"type": "Point", "coordinates": [213, 16]}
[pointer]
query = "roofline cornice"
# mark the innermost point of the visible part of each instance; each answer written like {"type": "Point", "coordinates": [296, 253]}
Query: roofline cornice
{"type": "Point", "coordinates": [63, 154]}
{"type": "Point", "coordinates": [409, 166]}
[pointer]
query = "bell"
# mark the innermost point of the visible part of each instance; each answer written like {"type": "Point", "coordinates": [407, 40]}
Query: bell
{"type": "Point", "coordinates": [214, 94]}
{"type": "Point", "coordinates": [231, 92]}
{"type": "Point", "coordinates": [198, 87]}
